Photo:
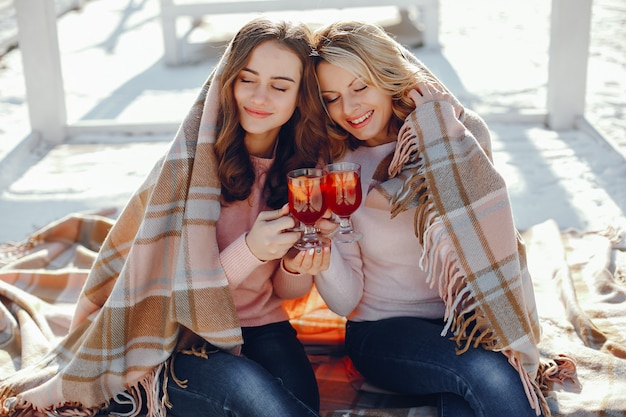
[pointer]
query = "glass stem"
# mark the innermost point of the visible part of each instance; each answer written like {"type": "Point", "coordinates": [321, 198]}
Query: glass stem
{"type": "Point", "coordinates": [309, 232]}
{"type": "Point", "coordinates": [344, 223]}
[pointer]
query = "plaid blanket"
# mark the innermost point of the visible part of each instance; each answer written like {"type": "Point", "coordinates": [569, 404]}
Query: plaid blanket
{"type": "Point", "coordinates": [579, 282]}
{"type": "Point", "coordinates": [472, 252]}
{"type": "Point", "coordinates": [581, 294]}
{"type": "Point", "coordinates": [156, 286]}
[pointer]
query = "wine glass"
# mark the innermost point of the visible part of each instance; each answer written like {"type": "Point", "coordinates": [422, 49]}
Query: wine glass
{"type": "Point", "coordinates": [343, 196]}
{"type": "Point", "coordinates": [307, 204]}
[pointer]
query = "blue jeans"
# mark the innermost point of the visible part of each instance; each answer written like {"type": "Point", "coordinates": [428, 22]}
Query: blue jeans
{"type": "Point", "coordinates": [274, 378]}
{"type": "Point", "coordinates": [276, 347]}
{"type": "Point", "coordinates": [408, 355]}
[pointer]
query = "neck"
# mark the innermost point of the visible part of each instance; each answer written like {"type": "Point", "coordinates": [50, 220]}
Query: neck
{"type": "Point", "coordinates": [262, 146]}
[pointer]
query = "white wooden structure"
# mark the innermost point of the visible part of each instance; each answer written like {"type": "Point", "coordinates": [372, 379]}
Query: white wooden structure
{"type": "Point", "coordinates": [45, 94]}
{"type": "Point", "coordinates": [9, 31]}
{"type": "Point", "coordinates": [38, 42]}
{"type": "Point", "coordinates": [173, 10]}
{"type": "Point", "coordinates": [570, 29]}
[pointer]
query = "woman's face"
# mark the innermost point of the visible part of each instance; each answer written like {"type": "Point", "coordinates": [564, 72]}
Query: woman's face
{"type": "Point", "coordinates": [361, 109]}
{"type": "Point", "coordinates": [266, 92]}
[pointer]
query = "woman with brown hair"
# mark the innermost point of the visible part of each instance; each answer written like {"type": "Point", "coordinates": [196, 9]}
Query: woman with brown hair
{"type": "Point", "coordinates": [182, 312]}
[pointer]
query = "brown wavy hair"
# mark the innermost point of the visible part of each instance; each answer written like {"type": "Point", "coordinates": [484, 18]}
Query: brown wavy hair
{"type": "Point", "coordinates": [302, 141]}
{"type": "Point", "coordinates": [374, 56]}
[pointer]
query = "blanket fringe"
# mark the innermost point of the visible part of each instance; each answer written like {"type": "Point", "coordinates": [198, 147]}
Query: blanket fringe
{"type": "Point", "coordinates": [202, 351]}
{"type": "Point", "coordinates": [133, 396]}
{"type": "Point", "coordinates": [412, 192]}
{"type": "Point", "coordinates": [532, 387]}
{"type": "Point", "coordinates": [150, 384]}
{"type": "Point", "coordinates": [12, 405]}
{"type": "Point", "coordinates": [406, 165]}
{"type": "Point", "coordinates": [560, 369]}
{"type": "Point", "coordinates": [460, 314]}
{"type": "Point", "coordinates": [406, 151]}
{"type": "Point", "coordinates": [7, 400]}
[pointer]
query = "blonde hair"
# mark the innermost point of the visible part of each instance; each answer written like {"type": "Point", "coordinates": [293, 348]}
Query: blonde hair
{"type": "Point", "coordinates": [374, 56]}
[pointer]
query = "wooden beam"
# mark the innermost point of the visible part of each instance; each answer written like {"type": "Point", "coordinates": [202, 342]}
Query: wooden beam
{"type": "Point", "coordinates": [39, 45]}
{"type": "Point", "coordinates": [171, 10]}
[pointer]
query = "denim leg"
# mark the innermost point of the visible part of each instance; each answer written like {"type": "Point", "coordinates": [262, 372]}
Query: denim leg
{"type": "Point", "coordinates": [276, 347]}
{"type": "Point", "coordinates": [225, 385]}
{"type": "Point", "coordinates": [408, 355]}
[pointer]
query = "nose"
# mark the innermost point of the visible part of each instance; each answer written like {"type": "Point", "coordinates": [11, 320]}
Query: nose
{"type": "Point", "coordinates": [349, 104]}
{"type": "Point", "coordinates": [259, 95]}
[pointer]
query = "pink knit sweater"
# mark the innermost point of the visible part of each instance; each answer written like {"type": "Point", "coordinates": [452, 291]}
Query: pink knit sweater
{"type": "Point", "coordinates": [379, 276]}
{"type": "Point", "coordinates": [258, 287]}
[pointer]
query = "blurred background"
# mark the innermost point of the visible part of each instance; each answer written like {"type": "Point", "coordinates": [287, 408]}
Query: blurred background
{"type": "Point", "coordinates": [493, 54]}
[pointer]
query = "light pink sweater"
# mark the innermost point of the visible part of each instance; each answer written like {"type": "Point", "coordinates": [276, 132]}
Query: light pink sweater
{"type": "Point", "coordinates": [379, 276]}
{"type": "Point", "coordinates": [258, 287]}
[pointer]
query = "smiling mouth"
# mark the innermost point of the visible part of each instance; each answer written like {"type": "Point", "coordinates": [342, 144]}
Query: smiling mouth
{"type": "Point", "coordinates": [361, 119]}
{"type": "Point", "coordinates": [257, 113]}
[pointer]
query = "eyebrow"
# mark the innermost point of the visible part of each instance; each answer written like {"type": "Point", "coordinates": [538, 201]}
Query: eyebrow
{"type": "Point", "coordinates": [349, 85]}
{"type": "Point", "coordinates": [276, 77]}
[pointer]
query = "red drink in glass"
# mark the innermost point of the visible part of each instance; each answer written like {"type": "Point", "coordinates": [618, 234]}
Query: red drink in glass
{"type": "Point", "coordinates": [307, 203]}
{"type": "Point", "coordinates": [343, 192]}
{"type": "Point", "coordinates": [306, 198]}
{"type": "Point", "coordinates": [344, 195]}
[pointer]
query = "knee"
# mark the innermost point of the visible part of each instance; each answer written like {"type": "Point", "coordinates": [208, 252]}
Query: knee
{"type": "Point", "coordinates": [499, 377]}
{"type": "Point", "coordinates": [251, 377]}
{"type": "Point", "coordinates": [489, 369]}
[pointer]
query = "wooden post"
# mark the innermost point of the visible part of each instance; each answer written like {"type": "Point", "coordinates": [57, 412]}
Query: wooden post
{"type": "Point", "coordinates": [39, 45]}
{"type": "Point", "coordinates": [171, 43]}
{"type": "Point", "coordinates": [569, 53]}
{"type": "Point", "coordinates": [430, 12]}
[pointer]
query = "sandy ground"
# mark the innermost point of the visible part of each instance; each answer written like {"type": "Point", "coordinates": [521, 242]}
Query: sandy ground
{"type": "Point", "coordinates": [494, 57]}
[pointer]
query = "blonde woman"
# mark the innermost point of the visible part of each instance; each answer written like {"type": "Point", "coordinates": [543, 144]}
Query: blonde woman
{"type": "Point", "coordinates": [437, 294]}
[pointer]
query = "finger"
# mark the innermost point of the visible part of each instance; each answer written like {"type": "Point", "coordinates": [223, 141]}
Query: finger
{"type": "Point", "coordinates": [420, 88]}
{"type": "Point", "coordinates": [302, 261]}
{"type": "Point", "coordinates": [327, 225]}
{"type": "Point", "coordinates": [321, 260]}
{"type": "Point", "coordinates": [318, 259]}
{"type": "Point", "coordinates": [428, 90]}
{"type": "Point", "coordinates": [299, 258]}
{"type": "Point", "coordinates": [309, 260]}
{"type": "Point", "coordinates": [283, 224]}
{"type": "Point", "coordinates": [273, 214]}
{"type": "Point", "coordinates": [325, 260]}
{"type": "Point", "coordinates": [286, 239]}
{"type": "Point", "coordinates": [415, 96]}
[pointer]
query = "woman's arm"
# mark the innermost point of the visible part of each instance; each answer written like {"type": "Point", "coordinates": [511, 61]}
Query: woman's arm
{"type": "Point", "coordinates": [290, 285]}
{"type": "Point", "coordinates": [238, 261]}
{"type": "Point", "coordinates": [341, 285]}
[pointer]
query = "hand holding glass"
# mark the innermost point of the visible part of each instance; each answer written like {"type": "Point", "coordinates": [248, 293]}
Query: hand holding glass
{"type": "Point", "coordinates": [307, 204]}
{"type": "Point", "coordinates": [343, 196]}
